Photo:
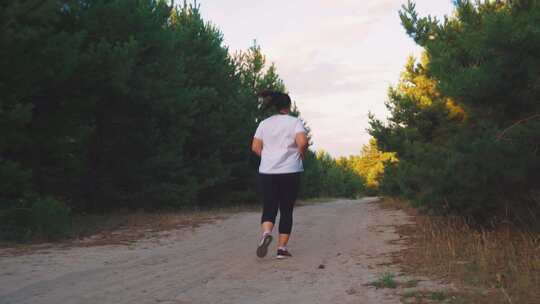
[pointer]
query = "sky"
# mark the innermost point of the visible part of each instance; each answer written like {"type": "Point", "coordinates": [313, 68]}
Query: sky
{"type": "Point", "coordinates": [336, 57]}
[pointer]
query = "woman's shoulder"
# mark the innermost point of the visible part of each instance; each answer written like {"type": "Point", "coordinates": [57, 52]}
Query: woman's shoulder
{"type": "Point", "coordinates": [294, 119]}
{"type": "Point", "coordinates": [265, 121]}
{"type": "Point", "coordinates": [280, 119]}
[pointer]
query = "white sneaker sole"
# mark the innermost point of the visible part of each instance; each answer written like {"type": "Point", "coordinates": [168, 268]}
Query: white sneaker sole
{"type": "Point", "coordinates": [262, 249]}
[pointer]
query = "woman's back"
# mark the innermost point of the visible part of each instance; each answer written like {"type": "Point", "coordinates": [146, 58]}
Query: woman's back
{"type": "Point", "coordinates": [280, 153]}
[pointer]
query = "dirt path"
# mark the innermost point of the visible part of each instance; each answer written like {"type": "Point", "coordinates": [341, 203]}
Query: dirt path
{"type": "Point", "coordinates": [338, 247]}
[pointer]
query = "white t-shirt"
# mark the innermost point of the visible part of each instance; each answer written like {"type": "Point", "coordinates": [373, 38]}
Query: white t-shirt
{"type": "Point", "coordinates": [280, 154]}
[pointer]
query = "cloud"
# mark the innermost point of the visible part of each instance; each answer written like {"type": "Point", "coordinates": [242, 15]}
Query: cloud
{"type": "Point", "coordinates": [322, 79]}
{"type": "Point", "coordinates": [323, 55]}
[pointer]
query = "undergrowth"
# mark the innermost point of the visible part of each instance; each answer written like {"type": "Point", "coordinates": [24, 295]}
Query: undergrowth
{"type": "Point", "coordinates": [500, 264]}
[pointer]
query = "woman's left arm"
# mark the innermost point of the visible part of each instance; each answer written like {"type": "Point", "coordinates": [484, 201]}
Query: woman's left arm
{"type": "Point", "coordinates": [257, 146]}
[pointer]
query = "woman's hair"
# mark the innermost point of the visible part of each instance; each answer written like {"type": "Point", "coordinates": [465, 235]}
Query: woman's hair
{"type": "Point", "coordinates": [277, 100]}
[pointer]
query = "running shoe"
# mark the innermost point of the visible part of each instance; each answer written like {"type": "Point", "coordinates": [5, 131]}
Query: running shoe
{"type": "Point", "coordinates": [283, 254]}
{"type": "Point", "coordinates": [262, 249]}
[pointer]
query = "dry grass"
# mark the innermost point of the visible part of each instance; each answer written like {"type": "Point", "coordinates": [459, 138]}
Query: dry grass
{"type": "Point", "coordinates": [500, 265]}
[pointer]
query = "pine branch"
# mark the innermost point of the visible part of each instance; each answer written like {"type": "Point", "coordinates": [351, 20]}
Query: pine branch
{"type": "Point", "coordinates": [502, 134]}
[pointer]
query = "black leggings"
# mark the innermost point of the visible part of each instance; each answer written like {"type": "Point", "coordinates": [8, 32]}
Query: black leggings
{"type": "Point", "coordinates": [279, 191]}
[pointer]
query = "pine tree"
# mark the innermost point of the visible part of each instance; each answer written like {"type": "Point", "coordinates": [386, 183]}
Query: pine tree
{"type": "Point", "coordinates": [370, 163]}
{"type": "Point", "coordinates": [463, 120]}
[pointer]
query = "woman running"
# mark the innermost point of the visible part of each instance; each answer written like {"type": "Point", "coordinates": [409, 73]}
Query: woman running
{"type": "Point", "coordinates": [281, 142]}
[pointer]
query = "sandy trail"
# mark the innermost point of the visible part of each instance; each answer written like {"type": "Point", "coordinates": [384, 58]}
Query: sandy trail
{"type": "Point", "coordinates": [216, 263]}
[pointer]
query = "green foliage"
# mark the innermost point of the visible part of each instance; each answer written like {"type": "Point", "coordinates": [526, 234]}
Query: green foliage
{"type": "Point", "coordinates": [50, 218]}
{"type": "Point", "coordinates": [464, 121]}
{"type": "Point", "coordinates": [386, 280]}
{"type": "Point", "coordinates": [437, 296]}
{"type": "Point", "coordinates": [15, 181]}
{"type": "Point", "coordinates": [151, 110]}
{"type": "Point", "coordinates": [256, 76]}
{"type": "Point", "coordinates": [327, 177]}
{"type": "Point", "coordinates": [15, 223]}
{"type": "Point", "coordinates": [370, 164]}
{"type": "Point", "coordinates": [47, 218]}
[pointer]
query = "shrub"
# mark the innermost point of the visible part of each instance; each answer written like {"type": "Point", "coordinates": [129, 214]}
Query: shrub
{"type": "Point", "coordinates": [15, 223]}
{"type": "Point", "coordinates": [51, 218]}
